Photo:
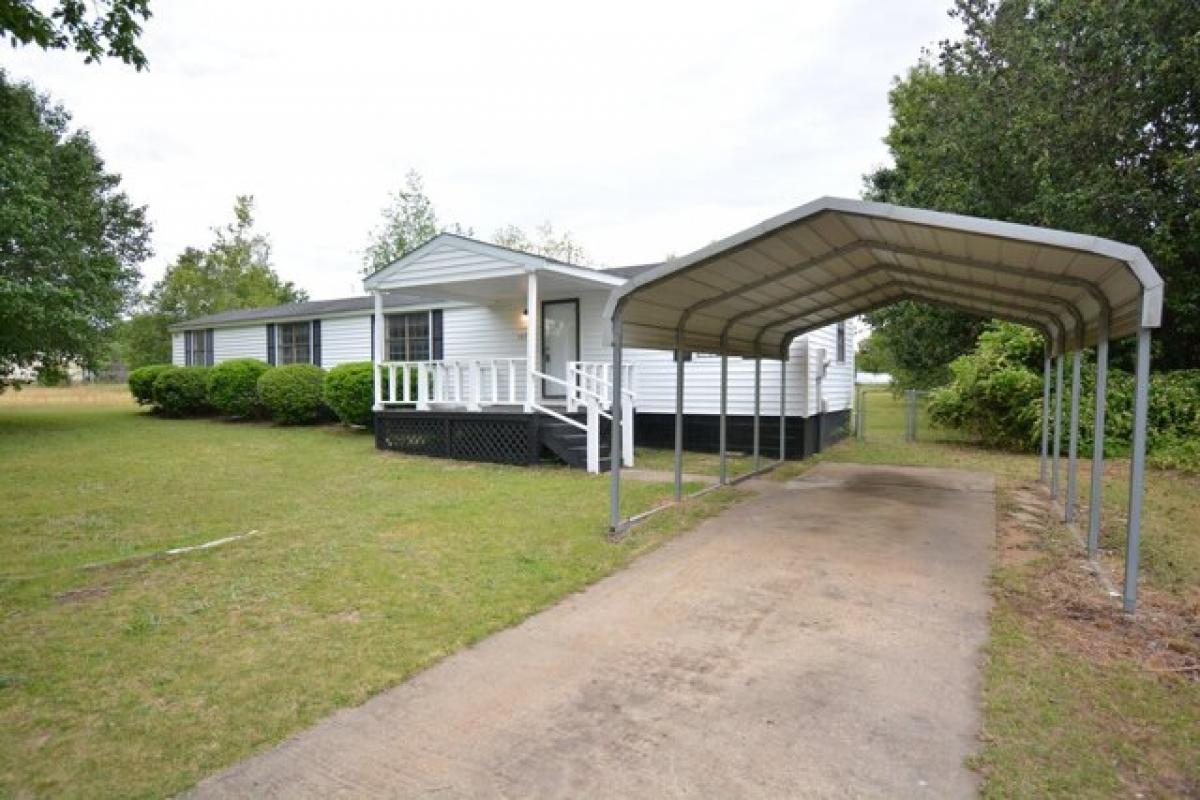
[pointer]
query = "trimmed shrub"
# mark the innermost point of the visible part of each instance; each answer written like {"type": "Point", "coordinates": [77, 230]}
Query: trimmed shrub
{"type": "Point", "coordinates": [291, 394]}
{"type": "Point", "coordinates": [233, 386]}
{"type": "Point", "coordinates": [182, 391]}
{"type": "Point", "coordinates": [141, 382]}
{"type": "Point", "coordinates": [349, 392]}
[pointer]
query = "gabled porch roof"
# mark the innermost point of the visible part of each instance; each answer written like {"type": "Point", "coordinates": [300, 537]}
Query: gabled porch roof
{"type": "Point", "coordinates": [456, 266]}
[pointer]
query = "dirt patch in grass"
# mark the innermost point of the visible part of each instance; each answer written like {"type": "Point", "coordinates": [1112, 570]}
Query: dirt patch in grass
{"type": "Point", "coordinates": [1080, 698]}
{"type": "Point", "coordinates": [81, 595]}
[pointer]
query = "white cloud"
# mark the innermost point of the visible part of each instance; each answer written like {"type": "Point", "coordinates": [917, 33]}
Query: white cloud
{"type": "Point", "coordinates": [644, 128]}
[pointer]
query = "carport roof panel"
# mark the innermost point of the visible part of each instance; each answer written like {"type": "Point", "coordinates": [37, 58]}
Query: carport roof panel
{"type": "Point", "coordinates": [833, 259]}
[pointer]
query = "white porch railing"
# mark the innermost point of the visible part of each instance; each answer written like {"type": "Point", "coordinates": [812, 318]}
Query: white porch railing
{"type": "Point", "coordinates": [474, 384]}
{"type": "Point", "coordinates": [470, 383]}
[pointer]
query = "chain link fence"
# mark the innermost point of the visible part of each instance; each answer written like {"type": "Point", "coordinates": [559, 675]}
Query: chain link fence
{"type": "Point", "coordinates": [881, 415]}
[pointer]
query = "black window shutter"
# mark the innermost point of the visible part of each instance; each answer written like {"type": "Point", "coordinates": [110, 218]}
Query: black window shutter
{"type": "Point", "coordinates": [372, 337]}
{"type": "Point", "coordinates": [271, 343]}
{"type": "Point", "coordinates": [316, 342]}
{"type": "Point", "coordinates": [208, 347]}
{"type": "Point", "coordinates": [436, 350]}
{"type": "Point", "coordinates": [187, 348]}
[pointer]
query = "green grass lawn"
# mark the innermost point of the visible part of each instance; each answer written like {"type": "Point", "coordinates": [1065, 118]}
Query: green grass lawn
{"type": "Point", "coordinates": [1073, 706]}
{"type": "Point", "coordinates": [127, 673]}
{"type": "Point", "coordinates": [694, 463]}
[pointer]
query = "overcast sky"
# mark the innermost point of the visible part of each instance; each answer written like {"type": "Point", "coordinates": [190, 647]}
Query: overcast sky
{"type": "Point", "coordinates": [644, 128]}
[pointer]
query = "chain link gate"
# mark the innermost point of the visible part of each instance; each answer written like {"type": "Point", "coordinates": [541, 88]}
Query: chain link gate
{"type": "Point", "coordinates": [885, 417]}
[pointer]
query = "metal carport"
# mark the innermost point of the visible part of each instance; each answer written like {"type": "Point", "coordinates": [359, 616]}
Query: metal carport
{"type": "Point", "coordinates": [754, 292]}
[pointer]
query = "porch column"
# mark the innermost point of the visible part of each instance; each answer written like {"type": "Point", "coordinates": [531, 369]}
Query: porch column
{"type": "Point", "coordinates": [380, 331]}
{"type": "Point", "coordinates": [1073, 442]}
{"type": "Point", "coordinates": [1044, 466]}
{"type": "Point", "coordinates": [1096, 499]}
{"type": "Point", "coordinates": [617, 421]}
{"type": "Point", "coordinates": [678, 415]}
{"type": "Point", "coordinates": [1137, 468]}
{"type": "Point", "coordinates": [532, 325]}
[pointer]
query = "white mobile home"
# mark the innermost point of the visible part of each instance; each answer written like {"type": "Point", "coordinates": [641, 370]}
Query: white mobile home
{"type": "Point", "coordinates": [459, 374]}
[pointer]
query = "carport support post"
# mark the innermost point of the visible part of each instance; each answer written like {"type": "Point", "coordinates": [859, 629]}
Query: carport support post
{"type": "Point", "coordinates": [1045, 417]}
{"type": "Point", "coordinates": [724, 406]}
{"type": "Point", "coordinates": [757, 406]}
{"type": "Point", "coordinates": [615, 444]}
{"type": "Point", "coordinates": [1095, 499]}
{"type": "Point", "coordinates": [1058, 404]}
{"type": "Point", "coordinates": [678, 416]}
{"type": "Point", "coordinates": [1137, 468]}
{"type": "Point", "coordinates": [782, 409]}
{"type": "Point", "coordinates": [1073, 446]}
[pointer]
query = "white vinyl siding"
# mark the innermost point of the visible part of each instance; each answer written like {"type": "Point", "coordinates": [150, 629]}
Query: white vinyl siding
{"type": "Point", "coordinates": [249, 341]}
{"type": "Point", "coordinates": [178, 358]}
{"type": "Point", "coordinates": [837, 388]}
{"type": "Point", "coordinates": [449, 262]}
{"type": "Point", "coordinates": [345, 339]}
{"type": "Point", "coordinates": [491, 331]}
{"type": "Point", "coordinates": [654, 383]}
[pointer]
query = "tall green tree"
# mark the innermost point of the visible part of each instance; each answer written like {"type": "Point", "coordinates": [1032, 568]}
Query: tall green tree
{"type": "Point", "coordinates": [234, 272]}
{"type": "Point", "coordinates": [545, 242]}
{"type": "Point", "coordinates": [407, 222]}
{"type": "Point", "coordinates": [96, 28]}
{"type": "Point", "coordinates": [71, 241]}
{"type": "Point", "coordinates": [410, 220]}
{"type": "Point", "coordinates": [1066, 114]}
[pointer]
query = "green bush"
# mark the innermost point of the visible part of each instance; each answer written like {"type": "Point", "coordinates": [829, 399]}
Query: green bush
{"type": "Point", "coordinates": [182, 391]}
{"type": "Point", "coordinates": [996, 394]}
{"type": "Point", "coordinates": [141, 382]}
{"type": "Point", "coordinates": [233, 386]}
{"type": "Point", "coordinates": [349, 392]}
{"type": "Point", "coordinates": [291, 394]}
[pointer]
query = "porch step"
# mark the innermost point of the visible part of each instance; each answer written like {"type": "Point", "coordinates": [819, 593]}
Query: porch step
{"type": "Point", "coordinates": [569, 443]}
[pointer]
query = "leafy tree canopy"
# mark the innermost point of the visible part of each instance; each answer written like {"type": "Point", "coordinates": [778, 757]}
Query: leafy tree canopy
{"type": "Point", "coordinates": [872, 355]}
{"type": "Point", "coordinates": [233, 272]}
{"type": "Point", "coordinates": [410, 220]}
{"type": "Point", "coordinates": [96, 28]}
{"type": "Point", "coordinates": [545, 242]}
{"type": "Point", "coordinates": [1075, 115]}
{"type": "Point", "coordinates": [70, 240]}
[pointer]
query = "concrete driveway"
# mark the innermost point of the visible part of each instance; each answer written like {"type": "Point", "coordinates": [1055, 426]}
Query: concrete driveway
{"type": "Point", "coordinates": [819, 640]}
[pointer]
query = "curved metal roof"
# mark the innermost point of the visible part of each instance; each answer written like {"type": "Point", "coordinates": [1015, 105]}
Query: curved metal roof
{"type": "Point", "coordinates": [832, 259]}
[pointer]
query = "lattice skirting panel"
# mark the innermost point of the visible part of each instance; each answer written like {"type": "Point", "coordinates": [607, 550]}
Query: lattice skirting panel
{"type": "Point", "coordinates": [503, 438]}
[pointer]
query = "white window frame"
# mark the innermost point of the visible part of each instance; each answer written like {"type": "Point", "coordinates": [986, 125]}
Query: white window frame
{"type": "Point", "coordinates": [279, 349]}
{"type": "Point", "coordinates": [387, 335]}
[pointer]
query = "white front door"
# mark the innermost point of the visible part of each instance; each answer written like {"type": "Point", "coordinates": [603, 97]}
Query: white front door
{"type": "Point", "coordinates": [560, 342]}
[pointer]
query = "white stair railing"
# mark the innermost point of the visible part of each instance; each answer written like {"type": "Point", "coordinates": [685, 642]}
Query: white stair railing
{"type": "Point", "coordinates": [592, 401]}
{"type": "Point", "coordinates": [592, 375]}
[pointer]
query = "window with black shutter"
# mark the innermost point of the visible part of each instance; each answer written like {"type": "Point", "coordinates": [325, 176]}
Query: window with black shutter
{"type": "Point", "coordinates": [841, 342]}
{"type": "Point", "coordinates": [294, 343]}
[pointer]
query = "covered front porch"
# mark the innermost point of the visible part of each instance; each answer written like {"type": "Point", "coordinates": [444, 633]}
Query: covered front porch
{"type": "Point", "coordinates": [508, 367]}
